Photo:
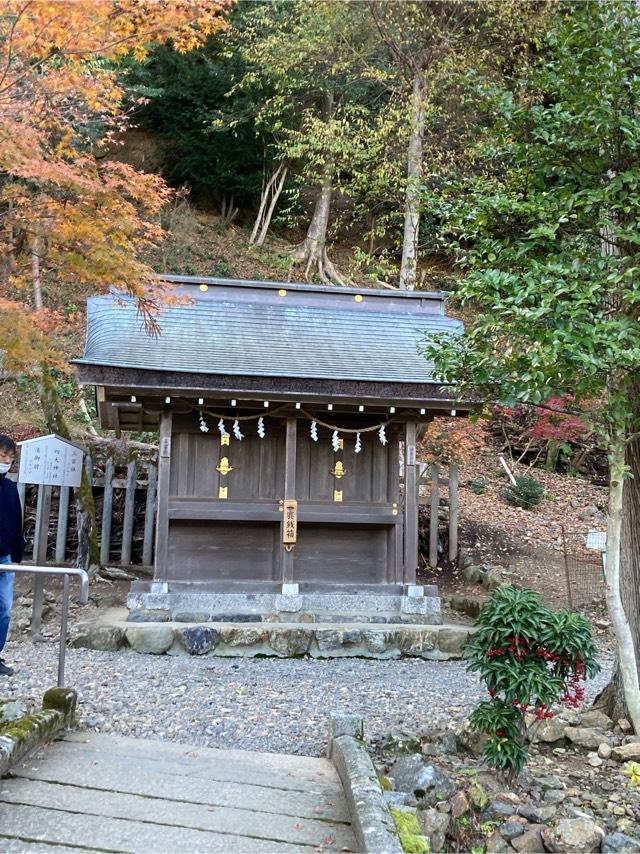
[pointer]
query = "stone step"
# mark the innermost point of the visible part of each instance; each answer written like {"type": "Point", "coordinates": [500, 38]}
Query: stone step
{"type": "Point", "coordinates": [98, 833]}
{"type": "Point", "coordinates": [174, 815]}
{"type": "Point", "coordinates": [111, 631]}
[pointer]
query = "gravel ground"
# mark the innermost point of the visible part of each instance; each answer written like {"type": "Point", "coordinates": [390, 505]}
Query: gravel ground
{"type": "Point", "coordinates": [267, 704]}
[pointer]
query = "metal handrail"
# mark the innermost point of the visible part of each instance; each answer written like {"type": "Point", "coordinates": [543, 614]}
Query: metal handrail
{"type": "Point", "coordinates": [64, 614]}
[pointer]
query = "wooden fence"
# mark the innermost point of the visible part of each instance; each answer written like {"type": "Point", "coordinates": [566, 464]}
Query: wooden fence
{"type": "Point", "coordinates": [136, 499]}
{"type": "Point", "coordinates": [54, 510]}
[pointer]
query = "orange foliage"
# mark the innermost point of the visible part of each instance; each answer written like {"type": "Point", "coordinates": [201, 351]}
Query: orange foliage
{"type": "Point", "coordinates": [452, 440]}
{"type": "Point", "coordinates": [67, 213]}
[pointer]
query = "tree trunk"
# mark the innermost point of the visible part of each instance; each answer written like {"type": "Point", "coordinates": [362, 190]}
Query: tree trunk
{"type": "Point", "coordinates": [272, 190]}
{"type": "Point", "coordinates": [313, 250]}
{"type": "Point", "coordinates": [408, 268]}
{"type": "Point", "coordinates": [612, 699]}
{"type": "Point", "coordinates": [622, 562]}
{"type": "Point", "coordinates": [35, 270]}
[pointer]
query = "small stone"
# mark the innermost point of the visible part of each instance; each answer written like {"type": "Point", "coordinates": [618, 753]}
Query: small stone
{"type": "Point", "coordinates": [596, 719]}
{"type": "Point", "coordinates": [627, 752]}
{"type": "Point", "coordinates": [500, 809]}
{"type": "Point", "coordinates": [96, 636]}
{"type": "Point", "coordinates": [151, 615]}
{"type": "Point", "coordinates": [243, 635]}
{"type": "Point", "coordinates": [510, 829]}
{"type": "Point", "coordinates": [198, 640]}
{"type": "Point", "coordinates": [437, 741]}
{"type": "Point", "coordinates": [594, 760]}
{"type": "Point", "coordinates": [149, 638]}
{"type": "Point", "coordinates": [624, 725]}
{"type": "Point", "coordinates": [398, 741]}
{"type": "Point", "coordinates": [573, 835]}
{"type": "Point", "coordinates": [604, 750]}
{"type": "Point", "coordinates": [554, 796]}
{"type": "Point", "coordinates": [536, 814]}
{"type": "Point", "coordinates": [434, 825]}
{"type": "Point", "coordinates": [290, 641]}
{"type": "Point", "coordinates": [586, 737]}
{"type": "Point", "coordinates": [619, 810]}
{"type": "Point", "coordinates": [192, 617]}
{"type": "Point", "coordinates": [530, 841]}
{"type": "Point", "coordinates": [413, 774]}
{"type": "Point", "coordinates": [452, 641]}
{"type": "Point", "coordinates": [547, 731]}
{"type": "Point", "coordinates": [620, 842]}
{"type": "Point", "coordinates": [459, 804]}
{"type": "Point", "coordinates": [495, 844]}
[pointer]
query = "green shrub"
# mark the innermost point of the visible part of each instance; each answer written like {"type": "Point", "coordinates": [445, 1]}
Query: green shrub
{"type": "Point", "coordinates": [527, 492]}
{"type": "Point", "coordinates": [478, 486]}
{"type": "Point", "coordinates": [531, 659]}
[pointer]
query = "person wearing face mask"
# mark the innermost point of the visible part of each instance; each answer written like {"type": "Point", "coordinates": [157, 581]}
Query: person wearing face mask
{"type": "Point", "coordinates": [11, 542]}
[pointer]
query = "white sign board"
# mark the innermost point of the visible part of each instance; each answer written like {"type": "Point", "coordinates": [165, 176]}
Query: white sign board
{"type": "Point", "coordinates": [597, 540]}
{"type": "Point", "coordinates": [50, 460]}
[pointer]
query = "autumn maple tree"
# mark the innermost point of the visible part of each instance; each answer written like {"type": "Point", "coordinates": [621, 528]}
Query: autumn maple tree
{"type": "Point", "coordinates": [70, 214]}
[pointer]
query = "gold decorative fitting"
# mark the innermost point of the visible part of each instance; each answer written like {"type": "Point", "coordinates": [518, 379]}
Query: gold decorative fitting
{"type": "Point", "coordinates": [222, 492]}
{"type": "Point", "coordinates": [341, 444]}
{"type": "Point", "coordinates": [337, 495]}
{"type": "Point", "coordinates": [224, 467]}
{"type": "Point", "coordinates": [224, 439]}
{"type": "Point", "coordinates": [358, 298]}
{"type": "Point", "coordinates": [339, 470]}
{"type": "Point", "coordinates": [282, 292]}
{"type": "Point", "coordinates": [204, 288]}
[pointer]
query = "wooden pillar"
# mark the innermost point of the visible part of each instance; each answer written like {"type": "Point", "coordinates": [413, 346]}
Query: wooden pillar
{"type": "Point", "coordinates": [129, 512]}
{"type": "Point", "coordinates": [410, 505]}
{"type": "Point", "coordinates": [107, 511]}
{"type": "Point", "coordinates": [161, 562]}
{"type": "Point", "coordinates": [289, 492]}
{"type": "Point", "coordinates": [453, 512]}
{"type": "Point", "coordinates": [433, 522]}
{"type": "Point", "coordinates": [149, 515]}
{"type": "Point", "coordinates": [43, 511]}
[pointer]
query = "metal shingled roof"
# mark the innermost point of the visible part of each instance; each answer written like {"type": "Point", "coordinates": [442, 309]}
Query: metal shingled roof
{"type": "Point", "coordinates": [266, 339]}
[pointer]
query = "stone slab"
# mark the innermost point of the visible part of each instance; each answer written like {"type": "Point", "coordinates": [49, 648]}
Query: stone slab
{"type": "Point", "coordinates": [265, 780]}
{"type": "Point", "coordinates": [293, 764]}
{"type": "Point", "coordinates": [174, 814]}
{"type": "Point", "coordinates": [347, 605]}
{"type": "Point", "coordinates": [98, 833]}
{"type": "Point", "coordinates": [22, 846]}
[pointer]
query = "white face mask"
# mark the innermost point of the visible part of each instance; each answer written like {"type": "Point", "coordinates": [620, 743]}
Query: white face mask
{"type": "Point", "coordinates": [4, 467]}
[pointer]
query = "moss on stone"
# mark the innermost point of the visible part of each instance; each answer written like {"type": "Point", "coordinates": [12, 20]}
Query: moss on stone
{"type": "Point", "coordinates": [62, 700]}
{"type": "Point", "coordinates": [385, 783]}
{"type": "Point", "coordinates": [412, 841]}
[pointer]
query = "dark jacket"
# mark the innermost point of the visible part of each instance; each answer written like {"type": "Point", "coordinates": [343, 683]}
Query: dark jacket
{"type": "Point", "coordinates": [11, 542]}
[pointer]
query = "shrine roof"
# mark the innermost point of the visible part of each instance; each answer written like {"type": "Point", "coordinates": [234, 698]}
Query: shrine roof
{"type": "Point", "coordinates": [272, 329]}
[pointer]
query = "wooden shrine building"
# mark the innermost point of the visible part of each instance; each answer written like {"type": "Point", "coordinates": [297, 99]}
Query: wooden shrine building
{"type": "Point", "coordinates": [288, 416]}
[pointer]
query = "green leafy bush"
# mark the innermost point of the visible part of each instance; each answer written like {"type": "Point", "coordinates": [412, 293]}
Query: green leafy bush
{"type": "Point", "coordinates": [531, 659]}
{"type": "Point", "coordinates": [478, 486]}
{"type": "Point", "coordinates": [526, 493]}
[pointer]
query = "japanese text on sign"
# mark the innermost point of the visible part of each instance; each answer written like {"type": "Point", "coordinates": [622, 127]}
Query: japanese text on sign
{"type": "Point", "coordinates": [290, 526]}
{"type": "Point", "coordinates": [51, 461]}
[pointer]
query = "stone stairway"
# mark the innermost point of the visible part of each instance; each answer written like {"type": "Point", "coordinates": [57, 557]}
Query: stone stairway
{"type": "Point", "coordinates": [108, 793]}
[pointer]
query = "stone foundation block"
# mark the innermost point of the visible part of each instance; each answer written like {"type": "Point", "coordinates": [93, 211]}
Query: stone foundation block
{"type": "Point", "coordinates": [151, 639]}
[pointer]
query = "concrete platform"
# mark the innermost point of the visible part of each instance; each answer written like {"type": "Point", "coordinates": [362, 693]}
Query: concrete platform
{"type": "Point", "coordinates": [108, 793]}
{"type": "Point", "coordinates": [114, 630]}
